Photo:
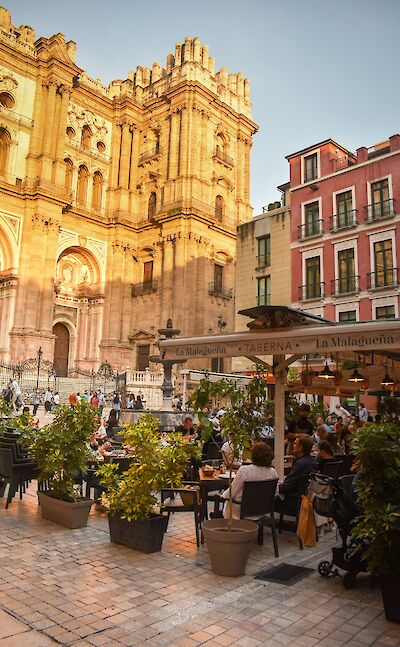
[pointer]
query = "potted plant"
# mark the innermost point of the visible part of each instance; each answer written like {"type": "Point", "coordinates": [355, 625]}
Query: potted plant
{"type": "Point", "coordinates": [229, 540]}
{"type": "Point", "coordinates": [131, 497]}
{"type": "Point", "coordinates": [377, 451]}
{"type": "Point", "coordinates": [60, 450]}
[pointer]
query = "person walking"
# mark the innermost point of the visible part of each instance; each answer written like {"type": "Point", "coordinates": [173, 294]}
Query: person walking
{"type": "Point", "coordinates": [117, 404]}
{"type": "Point", "coordinates": [56, 399]}
{"type": "Point", "coordinates": [36, 401]}
{"type": "Point", "coordinates": [48, 401]}
{"type": "Point", "coordinates": [102, 401]}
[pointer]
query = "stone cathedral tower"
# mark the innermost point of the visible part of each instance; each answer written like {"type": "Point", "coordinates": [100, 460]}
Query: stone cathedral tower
{"type": "Point", "coordinates": [118, 204]}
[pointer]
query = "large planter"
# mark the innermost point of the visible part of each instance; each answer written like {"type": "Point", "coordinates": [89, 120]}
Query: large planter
{"type": "Point", "coordinates": [72, 515]}
{"type": "Point", "coordinates": [390, 589]}
{"type": "Point", "coordinates": [229, 549]}
{"type": "Point", "coordinates": [146, 536]}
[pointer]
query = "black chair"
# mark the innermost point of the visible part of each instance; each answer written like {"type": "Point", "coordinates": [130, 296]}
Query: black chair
{"type": "Point", "coordinates": [346, 464]}
{"type": "Point", "coordinates": [347, 483]}
{"type": "Point", "coordinates": [191, 503]}
{"type": "Point", "coordinates": [332, 469]}
{"type": "Point", "coordinates": [10, 474]}
{"type": "Point", "coordinates": [296, 498]}
{"type": "Point", "coordinates": [258, 505]}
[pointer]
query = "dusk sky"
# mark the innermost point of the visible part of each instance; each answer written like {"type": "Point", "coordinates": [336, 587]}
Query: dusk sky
{"type": "Point", "coordinates": [318, 68]}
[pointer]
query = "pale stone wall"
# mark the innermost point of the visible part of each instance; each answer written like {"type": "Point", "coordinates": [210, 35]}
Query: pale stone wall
{"type": "Point", "coordinates": [75, 254]}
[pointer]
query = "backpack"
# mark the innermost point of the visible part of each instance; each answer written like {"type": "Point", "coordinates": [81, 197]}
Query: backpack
{"type": "Point", "coordinates": [321, 494]}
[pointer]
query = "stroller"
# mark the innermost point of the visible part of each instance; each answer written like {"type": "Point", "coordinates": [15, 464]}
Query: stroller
{"type": "Point", "coordinates": [331, 498]}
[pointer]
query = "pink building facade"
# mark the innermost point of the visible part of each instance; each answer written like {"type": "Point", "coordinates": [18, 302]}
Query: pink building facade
{"type": "Point", "coordinates": [345, 230]}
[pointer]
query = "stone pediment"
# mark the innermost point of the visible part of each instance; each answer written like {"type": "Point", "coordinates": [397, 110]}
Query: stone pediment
{"type": "Point", "coordinates": [140, 335]}
{"type": "Point", "coordinates": [222, 180]}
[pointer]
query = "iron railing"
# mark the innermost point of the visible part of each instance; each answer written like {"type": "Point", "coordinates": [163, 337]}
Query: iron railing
{"type": "Point", "coordinates": [146, 287]}
{"type": "Point", "coordinates": [311, 291]}
{"type": "Point", "coordinates": [218, 290]}
{"type": "Point", "coordinates": [345, 285]}
{"type": "Point", "coordinates": [148, 155]}
{"type": "Point", "coordinates": [382, 279]}
{"type": "Point", "coordinates": [378, 210]}
{"type": "Point", "coordinates": [310, 229]}
{"type": "Point", "coordinates": [224, 158]}
{"type": "Point", "coordinates": [344, 220]}
{"type": "Point", "coordinates": [264, 299]}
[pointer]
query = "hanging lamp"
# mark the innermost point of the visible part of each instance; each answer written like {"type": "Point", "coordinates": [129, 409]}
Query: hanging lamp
{"type": "Point", "coordinates": [387, 380]}
{"type": "Point", "coordinates": [356, 377]}
{"type": "Point", "coordinates": [326, 373]}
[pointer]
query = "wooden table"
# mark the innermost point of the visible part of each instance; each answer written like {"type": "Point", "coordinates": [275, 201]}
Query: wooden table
{"type": "Point", "coordinates": [208, 484]}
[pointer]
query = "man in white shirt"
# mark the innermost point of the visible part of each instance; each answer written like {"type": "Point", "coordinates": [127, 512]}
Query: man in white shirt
{"type": "Point", "coordinates": [363, 413]}
{"type": "Point", "coordinates": [346, 415]}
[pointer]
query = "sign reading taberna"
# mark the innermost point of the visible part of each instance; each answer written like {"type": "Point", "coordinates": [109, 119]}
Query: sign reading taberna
{"type": "Point", "coordinates": [371, 336]}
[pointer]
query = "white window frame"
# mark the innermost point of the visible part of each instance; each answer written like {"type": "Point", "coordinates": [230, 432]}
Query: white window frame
{"type": "Point", "coordinates": [379, 179]}
{"type": "Point", "coordinates": [303, 211]}
{"type": "Point", "coordinates": [345, 307]}
{"type": "Point", "coordinates": [311, 253]}
{"type": "Point", "coordinates": [388, 234]}
{"type": "Point", "coordinates": [336, 193]}
{"type": "Point", "coordinates": [385, 301]}
{"type": "Point", "coordinates": [341, 246]}
{"type": "Point", "coordinates": [308, 154]}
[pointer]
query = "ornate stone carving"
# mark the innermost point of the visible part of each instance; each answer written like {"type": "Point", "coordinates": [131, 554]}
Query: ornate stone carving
{"type": "Point", "coordinates": [80, 116]}
{"type": "Point", "coordinates": [7, 80]}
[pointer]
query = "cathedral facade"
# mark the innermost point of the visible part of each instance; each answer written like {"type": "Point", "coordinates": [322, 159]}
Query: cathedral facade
{"type": "Point", "coordinates": [118, 204]}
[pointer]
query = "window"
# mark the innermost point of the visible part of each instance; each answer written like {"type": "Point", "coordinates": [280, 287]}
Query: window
{"type": "Point", "coordinates": [143, 352]}
{"type": "Point", "coordinates": [97, 190]}
{"type": "Point", "coordinates": [344, 209]}
{"type": "Point", "coordinates": [83, 177]}
{"type": "Point", "coordinates": [348, 315]}
{"type": "Point", "coordinates": [311, 219]}
{"type": "Point", "coordinates": [264, 291]}
{"type": "Point", "coordinates": [5, 143]}
{"type": "Point", "coordinates": [383, 255]}
{"type": "Point", "coordinates": [218, 278]}
{"type": "Point", "coordinates": [86, 137]}
{"type": "Point", "coordinates": [70, 132]}
{"type": "Point", "coordinates": [264, 251]}
{"type": "Point", "coordinates": [219, 208]}
{"type": "Point", "coordinates": [220, 147]}
{"type": "Point", "coordinates": [148, 275]}
{"type": "Point", "coordinates": [152, 205]}
{"type": "Point", "coordinates": [385, 312]}
{"type": "Point", "coordinates": [347, 279]}
{"type": "Point", "coordinates": [310, 167]}
{"type": "Point", "coordinates": [217, 364]}
{"type": "Point", "coordinates": [380, 199]}
{"type": "Point", "coordinates": [7, 100]}
{"type": "Point", "coordinates": [69, 167]}
{"type": "Point", "coordinates": [313, 278]}
{"type": "Point", "coordinates": [101, 147]}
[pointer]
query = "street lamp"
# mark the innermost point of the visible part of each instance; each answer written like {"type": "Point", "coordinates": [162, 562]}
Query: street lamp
{"type": "Point", "coordinates": [39, 359]}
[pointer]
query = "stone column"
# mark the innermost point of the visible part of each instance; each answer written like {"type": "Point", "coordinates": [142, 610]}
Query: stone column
{"type": "Point", "coordinates": [59, 170]}
{"type": "Point", "coordinates": [174, 144]}
{"type": "Point", "coordinates": [37, 131]}
{"type": "Point", "coordinates": [47, 162]}
{"type": "Point", "coordinates": [247, 171]}
{"type": "Point", "coordinates": [49, 253]}
{"type": "Point", "coordinates": [134, 159]}
{"type": "Point", "coordinates": [115, 290]}
{"type": "Point", "coordinates": [184, 142]}
{"type": "Point", "coordinates": [115, 154]}
{"type": "Point", "coordinates": [125, 154]}
{"type": "Point", "coordinates": [240, 169]}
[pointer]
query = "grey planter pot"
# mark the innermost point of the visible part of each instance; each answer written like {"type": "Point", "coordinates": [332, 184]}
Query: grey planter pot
{"type": "Point", "coordinates": [146, 536]}
{"type": "Point", "coordinates": [72, 515]}
{"type": "Point", "coordinates": [229, 550]}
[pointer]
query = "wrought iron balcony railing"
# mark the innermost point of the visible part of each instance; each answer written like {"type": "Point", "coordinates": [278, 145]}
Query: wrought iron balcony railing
{"type": "Point", "coordinates": [344, 220]}
{"type": "Point", "coordinates": [310, 229]}
{"type": "Point", "coordinates": [382, 279]}
{"type": "Point", "coordinates": [224, 158]}
{"type": "Point", "coordinates": [345, 285]}
{"type": "Point", "coordinates": [264, 260]}
{"type": "Point", "coordinates": [147, 287]}
{"type": "Point", "coordinates": [218, 290]}
{"type": "Point", "coordinates": [312, 291]}
{"type": "Point", "coordinates": [148, 155]}
{"type": "Point", "coordinates": [378, 210]}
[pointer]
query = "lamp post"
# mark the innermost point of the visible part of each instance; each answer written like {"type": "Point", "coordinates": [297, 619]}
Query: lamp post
{"type": "Point", "coordinates": [221, 323]}
{"type": "Point", "coordinates": [39, 359]}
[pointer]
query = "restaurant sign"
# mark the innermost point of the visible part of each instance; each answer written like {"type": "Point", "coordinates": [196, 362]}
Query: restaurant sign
{"type": "Point", "coordinates": [368, 337]}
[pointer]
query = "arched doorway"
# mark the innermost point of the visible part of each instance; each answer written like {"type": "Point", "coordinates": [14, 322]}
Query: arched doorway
{"type": "Point", "coordinates": [61, 349]}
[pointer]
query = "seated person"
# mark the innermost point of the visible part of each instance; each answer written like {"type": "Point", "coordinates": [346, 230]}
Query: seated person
{"type": "Point", "coordinates": [333, 441]}
{"type": "Point", "coordinates": [260, 469]}
{"type": "Point", "coordinates": [186, 428]}
{"type": "Point", "coordinates": [130, 402]}
{"type": "Point", "coordinates": [111, 423]}
{"type": "Point", "coordinates": [325, 455]}
{"type": "Point", "coordinates": [102, 430]}
{"type": "Point", "coordinates": [322, 423]}
{"type": "Point", "coordinates": [303, 463]}
{"type": "Point", "coordinates": [320, 435]}
{"type": "Point", "coordinates": [227, 451]}
{"type": "Point", "coordinates": [210, 450]}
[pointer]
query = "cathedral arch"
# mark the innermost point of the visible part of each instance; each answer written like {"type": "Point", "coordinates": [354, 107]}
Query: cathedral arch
{"type": "Point", "coordinates": [152, 205]}
{"type": "Point", "coordinates": [219, 208]}
{"type": "Point", "coordinates": [5, 145]}
{"type": "Point", "coordinates": [82, 187]}
{"type": "Point", "coordinates": [77, 267]}
{"type": "Point", "coordinates": [86, 136]}
{"type": "Point", "coordinates": [97, 193]}
{"type": "Point", "coordinates": [69, 169]}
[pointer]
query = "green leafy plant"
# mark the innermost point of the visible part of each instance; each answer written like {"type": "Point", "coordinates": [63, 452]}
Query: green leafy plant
{"type": "Point", "coordinates": [60, 448]}
{"type": "Point", "coordinates": [377, 451]}
{"type": "Point", "coordinates": [155, 464]}
{"type": "Point", "coordinates": [240, 420]}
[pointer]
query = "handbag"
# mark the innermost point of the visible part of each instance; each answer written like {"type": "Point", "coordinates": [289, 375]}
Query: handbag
{"type": "Point", "coordinates": [321, 494]}
{"type": "Point", "coordinates": [306, 527]}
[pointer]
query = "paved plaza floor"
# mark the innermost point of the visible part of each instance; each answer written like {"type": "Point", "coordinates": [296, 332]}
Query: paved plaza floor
{"type": "Point", "coordinates": [74, 587]}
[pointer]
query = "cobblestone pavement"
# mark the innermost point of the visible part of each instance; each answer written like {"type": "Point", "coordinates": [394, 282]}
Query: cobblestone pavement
{"type": "Point", "coordinates": [75, 588]}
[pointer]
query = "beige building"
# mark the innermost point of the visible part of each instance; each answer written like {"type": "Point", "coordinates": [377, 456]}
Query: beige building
{"type": "Point", "coordinates": [263, 269]}
{"type": "Point", "coordinates": [118, 204]}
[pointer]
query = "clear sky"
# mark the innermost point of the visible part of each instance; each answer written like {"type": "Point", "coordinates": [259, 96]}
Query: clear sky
{"type": "Point", "coordinates": [318, 68]}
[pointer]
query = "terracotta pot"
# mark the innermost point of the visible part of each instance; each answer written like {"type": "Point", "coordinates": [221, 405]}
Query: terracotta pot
{"type": "Point", "coordinates": [72, 515]}
{"type": "Point", "coordinates": [229, 549]}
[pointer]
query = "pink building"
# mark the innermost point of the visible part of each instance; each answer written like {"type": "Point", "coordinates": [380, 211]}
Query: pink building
{"type": "Point", "coordinates": [345, 230]}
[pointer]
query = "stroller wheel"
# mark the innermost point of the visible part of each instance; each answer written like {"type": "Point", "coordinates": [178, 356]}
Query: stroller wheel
{"type": "Point", "coordinates": [349, 581]}
{"type": "Point", "coordinates": [324, 568]}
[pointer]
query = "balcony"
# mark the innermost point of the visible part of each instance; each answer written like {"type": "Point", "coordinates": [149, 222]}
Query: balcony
{"type": "Point", "coordinates": [264, 299]}
{"type": "Point", "coordinates": [218, 290]}
{"type": "Point", "coordinates": [310, 229]}
{"type": "Point", "coordinates": [345, 285]}
{"type": "Point", "coordinates": [380, 210]}
{"type": "Point", "coordinates": [220, 156]}
{"type": "Point", "coordinates": [263, 261]}
{"type": "Point", "coordinates": [383, 279]}
{"type": "Point", "coordinates": [141, 289]}
{"type": "Point", "coordinates": [149, 155]}
{"type": "Point", "coordinates": [344, 220]}
{"type": "Point", "coordinates": [312, 291]}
